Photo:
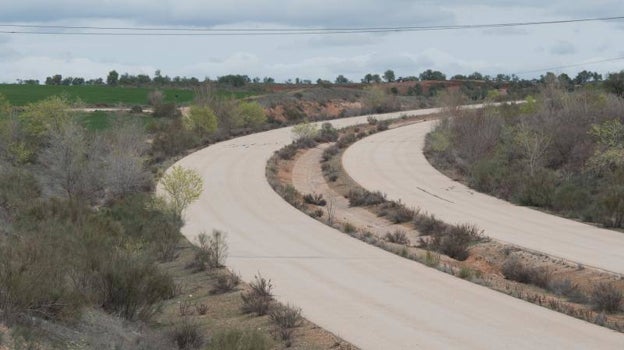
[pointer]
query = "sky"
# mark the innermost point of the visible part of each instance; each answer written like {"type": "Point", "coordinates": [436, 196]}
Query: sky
{"type": "Point", "coordinates": [525, 51]}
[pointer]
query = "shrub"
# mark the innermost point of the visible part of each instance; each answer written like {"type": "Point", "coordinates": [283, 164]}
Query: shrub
{"type": "Point", "coordinates": [398, 237]}
{"type": "Point", "coordinates": [330, 152]}
{"type": "Point", "coordinates": [565, 287]}
{"type": "Point", "coordinates": [383, 125]}
{"type": "Point", "coordinates": [371, 120]}
{"type": "Point", "coordinates": [286, 316]}
{"type": "Point", "coordinates": [212, 250]}
{"type": "Point", "coordinates": [258, 299]}
{"type": "Point", "coordinates": [348, 227]}
{"type": "Point", "coordinates": [346, 140]}
{"type": "Point", "coordinates": [187, 335]}
{"type": "Point", "coordinates": [606, 297]}
{"type": "Point", "coordinates": [314, 199]}
{"type": "Point", "coordinates": [432, 259]}
{"type": "Point", "coordinates": [288, 152]}
{"type": "Point", "coordinates": [397, 212]}
{"type": "Point", "coordinates": [133, 287]}
{"type": "Point", "coordinates": [226, 282]}
{"type": "Point", "coordinates": [428, 224]}
{"type": "Point", "coordinates": [361, 197]}
{"type": "Point", "coordinates": [455, 240]}
{"type": "Point", "coordinates": [327, 133]}
{"type": "Point", "coordinates": [513, 269]}
{"type": "Point", "coordinates": [240, 340]}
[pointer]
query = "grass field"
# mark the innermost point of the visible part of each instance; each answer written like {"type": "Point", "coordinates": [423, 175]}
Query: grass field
{"type": "Point", "coordinates": [20, 95]}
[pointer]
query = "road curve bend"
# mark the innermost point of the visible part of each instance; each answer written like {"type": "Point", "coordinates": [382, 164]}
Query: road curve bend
{"type": "Point", "coordinates": [369, 297]}
{"type": "Point", "coordinates": [393, 162]}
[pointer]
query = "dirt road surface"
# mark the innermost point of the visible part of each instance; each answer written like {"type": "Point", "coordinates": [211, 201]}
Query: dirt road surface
{"type": "Point", "coordinates": [393, 162]}
{"type": "Point", "coordinates": [369, 297]}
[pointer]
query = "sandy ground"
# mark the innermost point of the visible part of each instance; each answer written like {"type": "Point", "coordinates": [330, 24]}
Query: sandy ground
{"type": "Point", "coordinates": [393, 162]}
{"type": "Point", "coordinates": [307, 177]}
{"type": "Point", "coordinates": [369, 297]}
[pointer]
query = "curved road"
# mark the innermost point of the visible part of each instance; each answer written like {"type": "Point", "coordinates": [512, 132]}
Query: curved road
{"type": "Point", "coordinates": [363, 294]}
{"type": "Point", "coordinates": [393, 162]}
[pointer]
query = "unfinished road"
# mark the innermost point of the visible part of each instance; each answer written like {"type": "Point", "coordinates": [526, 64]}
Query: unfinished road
{"type": "Point", "coordinates": [369, 297]}
{"type": "Point", "coordinates": [393, 162]}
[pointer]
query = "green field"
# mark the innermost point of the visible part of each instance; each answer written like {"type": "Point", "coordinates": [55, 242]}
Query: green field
{"type": "Point", "coordinates": [20, 95]}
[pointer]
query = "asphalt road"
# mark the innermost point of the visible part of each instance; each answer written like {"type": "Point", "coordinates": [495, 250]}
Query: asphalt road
{"type": "Point", "coordinates": [369, 297]}
{"type": "Point", "coordinates": [393, 162]}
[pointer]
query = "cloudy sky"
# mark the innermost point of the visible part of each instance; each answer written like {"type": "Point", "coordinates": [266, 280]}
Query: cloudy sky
{"type": "Point", "coordinates": [521, 50]}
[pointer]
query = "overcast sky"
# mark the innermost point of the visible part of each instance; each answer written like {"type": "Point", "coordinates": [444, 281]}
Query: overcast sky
{"type": "Point", "coordinates": [490, 51]}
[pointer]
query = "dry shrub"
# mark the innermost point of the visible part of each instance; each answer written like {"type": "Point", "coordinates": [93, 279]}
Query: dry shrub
{"type": "Point", "coordinates": [362, 197]}
{"type": "Point", "coordinates": [286, 316]}
{"type": "Point", "coordinates": [514, 269]}
{"type": "Point", "coordinates": [398, 237]}
{"type": "Point", "coordinates": [258, 299]}
{"type": "Point", "coordinates": [187, 335]}
{"type": "Point", "coordinates": [226, 282]}
{"type": "Point", "coordinates": [607, 297]}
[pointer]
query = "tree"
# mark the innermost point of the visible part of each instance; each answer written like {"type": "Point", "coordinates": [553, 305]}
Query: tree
{"type": "Point", "coordinates": [66, 162]}
{"type": "Point", "coordinates": [252, 113]}
{"type": "Point", "coordinates": [432, 75]}
{"type": "Point", "coordinates": [202, 118]}
{"type": "Point", "coordinates": [183, 187]}
{"type": "Point", "coordinates": [44, 116]}
{"type": "Point", "coordinates": [532, 144]}
{"type": "Point", "coordinates": [389, 76]}
{"type": "Point", "coordinates": [113, 78]}
{"type": "Point", "coordinates": [371, 78]}
{"type": "Point", "coordinates": [121, 152]}
{"type": "Point", "coordinates": [341, 79]}
{"type": "Point", "coordinates": [615, 83]}
{"type": "Point", "coordinates": [585, 77]}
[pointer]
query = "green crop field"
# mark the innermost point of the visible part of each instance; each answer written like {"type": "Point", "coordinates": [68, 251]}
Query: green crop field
{"type": "Point", "coordinates": [20, 95]}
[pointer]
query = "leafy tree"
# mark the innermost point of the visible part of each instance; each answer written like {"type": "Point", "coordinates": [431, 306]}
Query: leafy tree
{"type": "Point", "coordinates": [371, 78]}
{"type": "Point", "coordinates": [113, 78]}
{"type": "Point", "coordinates": [54, 80]}
{"type": "Point", "coordinates": [475, 76]}
{"type": "Point", "coordinates": [235, 80]}
{"type": "Point", "coordinates": [615, 83]}
{"type": "Point", "coordinates": [341, 79]}
{"type": "Point", "coordinates": [585, 77]}
{"type": "Point", "coordinates": [389, 76]}
{"type": "Point", "coordinates": [183, 187]}
{"type": "Point", "coordinates": [252, 113]}
{"type": "Point", "coordinates": [39, 118]}
{"type": "Point", "coordinates": [202, 118]}
{"type": "Point", "coordinates": [432, 75]}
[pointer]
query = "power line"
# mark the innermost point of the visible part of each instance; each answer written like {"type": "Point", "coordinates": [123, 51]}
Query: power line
{"type": "Point", "coordinates": [571, 65]}
{"type": "Point", "coordinates": [195, 31]}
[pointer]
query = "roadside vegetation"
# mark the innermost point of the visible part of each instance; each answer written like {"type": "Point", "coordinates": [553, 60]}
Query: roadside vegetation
{"type": "Point", "coordinates": [90, 257]}
{"type": "Point", "coordinates": [561, 151]}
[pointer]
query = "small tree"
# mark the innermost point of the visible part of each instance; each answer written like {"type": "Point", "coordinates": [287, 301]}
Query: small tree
{"type": "Point", "coordinates": [389, 76]}
{"type": "Point", "coordinates": [341, 79]}
{"type": "Point", "coordinates": [212, 250]}
{"type": "Point", "coordinates": [183, 186]}
{"type": "Point", "coordinates": [202, 118]}
{"type": "Point", "coordinates": [252, 114]}
{"type": "Point", "coordinates": [113, 78]}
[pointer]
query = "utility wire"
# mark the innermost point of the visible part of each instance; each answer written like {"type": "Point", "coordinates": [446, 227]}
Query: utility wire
{"type": "Point", "coordinates": [571, 65]}
{"type": "Point", "coordinates": [194, 31]}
